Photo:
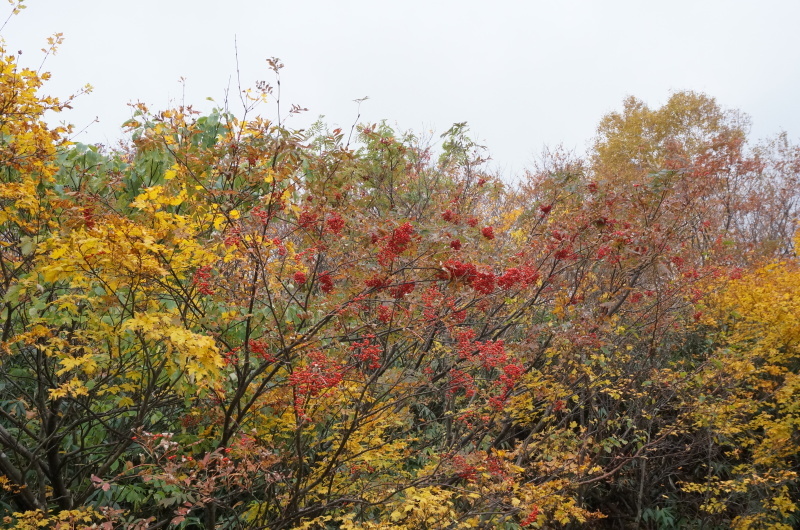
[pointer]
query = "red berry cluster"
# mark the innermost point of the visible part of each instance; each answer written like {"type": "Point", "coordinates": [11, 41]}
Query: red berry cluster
{"type": "Point", "coordinates": [460, 380]}
{"type": "Point", "coordinates": [325, 282]}
{"type": "Point", "coordinates": [463, 469]}
{"type": "Point", "coordinates": [367, 352]}
{"type": "Point", "coordinates": [377, 282]}
{"type": "Point", "coordinates": [319, 374]}
{"type": "Point", "coordinates": [491, 355]}
{"type": "Point", "coordinates": [531, 518]}
{"type": "Point", "coordinates": [396, 243]}
{"type": "Point", "coordinates": [260, 348]}
{"type": "Point", "coordinates": [401, 238]}
{"type": "Point", "coordinates": [565, 254]}
{"type": "Point", "coordinates": [233, 238]}
{"type": "Point", "coordinates": [464, 339]}
{"type": "Point", "coordinates": [603, 251]}
{"type": "Point", "coordinates": [399, 291]}
{"type": "Point", "coordinates": [483, 282]}
{"type": "Point", "coordinates": [385, 313]}
{"type": "Point", "coordinates": [518, 275]}
{"type": "Point", "coordinates": [458, 270]}
{"type": "Point", "coordinates": [495, 467]}
{"type": "Point", "coordinates": [307, 219]}
{"type": "Point", "coordinates": [432, 301]}
{"type": "Point", "coordinates": [260, 214]}
{"type": "Point", "coordinates": [201, 280]}
{"type": "Point", "coordinates": [232, 357]}
{"type": "Point", "coordinates": [280, 246]}
{"type": "Point", "coordinates": [335, 223]}
{"type": "Point", "coordinates": [512, 373]}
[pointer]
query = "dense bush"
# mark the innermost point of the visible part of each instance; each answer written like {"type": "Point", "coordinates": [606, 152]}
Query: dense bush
{"type": "Point", "coordinates": [229, 323]}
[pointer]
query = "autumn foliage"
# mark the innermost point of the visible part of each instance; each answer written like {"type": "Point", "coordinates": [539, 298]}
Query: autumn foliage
{"type": "Point", "coordinates": [229, 323]}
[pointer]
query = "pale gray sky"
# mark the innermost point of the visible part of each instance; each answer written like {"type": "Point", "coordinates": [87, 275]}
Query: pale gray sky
{"type": "Point", "coordinates": [524, 74]}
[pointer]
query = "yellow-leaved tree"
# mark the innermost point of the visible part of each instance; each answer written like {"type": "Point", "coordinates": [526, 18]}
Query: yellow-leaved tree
{"type": "Point", "coordinates": [749, 395]}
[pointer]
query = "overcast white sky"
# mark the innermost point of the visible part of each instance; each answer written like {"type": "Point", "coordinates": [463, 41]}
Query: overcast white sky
{"type": "Point", "coordinates": [524, 74]}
